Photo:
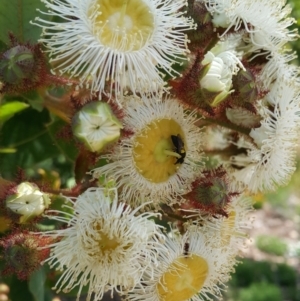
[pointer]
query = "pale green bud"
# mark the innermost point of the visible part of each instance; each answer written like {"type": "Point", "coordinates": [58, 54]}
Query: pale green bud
{"type": "Point", "coordinates": [220, 64]}
{"type": "Point", "coordinates": [29, 201]}
{"type": "Point", "coordinates": [95, 125]}
{"type": "Point", "coordinates": [217, 78]}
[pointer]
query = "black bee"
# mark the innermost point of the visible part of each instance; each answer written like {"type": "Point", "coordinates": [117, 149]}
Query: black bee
{"type": "Point", "coordinates": [186, 249]}
{"type": "Point", "coordinates": [179, 148]}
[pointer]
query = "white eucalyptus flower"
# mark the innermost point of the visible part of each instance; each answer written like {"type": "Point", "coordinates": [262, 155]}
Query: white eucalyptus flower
{"type": "Point", "coordinates": [28, 201]}
{"type": "Point", "coordinates": [105, 246]}
{"type": "Point", "coordinates": [96, 126]}
{"type": "Point", "coordinates": [116, 45]}
{"type": "Point", "coordinates": [266, 21]}
{"type": "Point", "coordinates": [269, 159]}
{"type": "Point", "coordinates": [232, 230]}
{"type": "Point", "coordinates": [278, 66]}
{"type": "Point", "coordinates": [191, 269]}
{"type": "Point", "coordinates": [161, 157]}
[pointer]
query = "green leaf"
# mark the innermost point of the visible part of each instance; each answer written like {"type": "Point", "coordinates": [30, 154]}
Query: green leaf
{"type": "Point", "coordinates": [66, 146]}
{"type": "Point", "coordinates": [15, 16]}
{"type": "Point", "coordinates": [19, 290]}
{"type": "Point", "coordinates": [37, 284]}
{"type": "Point", "coordinates": [9, 109]}
{"type": "Point", "coordinates": [27, 133]}
{"type": "Point", "coordinates": [7, 150]}
{"type": "Point", "coordinates": [35, 100]}
{"type": "Point", "coordinates": [38, 143]}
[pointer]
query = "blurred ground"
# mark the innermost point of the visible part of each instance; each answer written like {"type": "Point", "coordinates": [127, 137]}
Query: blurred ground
{"type": "Point", "coordinates": [276, 222]}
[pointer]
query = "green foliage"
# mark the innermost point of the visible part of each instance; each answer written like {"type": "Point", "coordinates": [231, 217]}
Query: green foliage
{"type": "Point", "coordinates": [251, 272]}
{"type": "Point", "coordinates": [8, 110]}
{"type": "Point", "coordinates": [15, 16]}
{"type": "Point", "coordinates": [271, 245]}
{"type": "Point", "coordinates": [35, 139]}
{"type": "Point", "coordinates": [37, 284]}
{"type": "Point", "coordinates": [261, 291]}
{"type": "Point", "coordinates": [19, 288]}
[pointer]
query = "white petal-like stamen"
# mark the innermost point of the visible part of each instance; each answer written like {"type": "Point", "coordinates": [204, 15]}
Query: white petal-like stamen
{"type": "Point", "coordinates": [106, 245]}
{"type": "Point", "coordinates": [270, 158]}
{"type": "Point", "coordinates": [123, 42]}
{"type": "Point", "coordinates": [146, 164]}
{"type": "Point", "coordinates": [266, 21]}
{"type": "Point", "coordinates": [191, 269]}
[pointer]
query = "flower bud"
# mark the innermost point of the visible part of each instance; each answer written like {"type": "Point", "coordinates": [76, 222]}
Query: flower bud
{"type": "Point", "coordinates": [16, 64]}
{"type": "Point", "coordinates": [220, 64]}
{"type": "Point", "coordinates": [23, 67]}
{"type": "Point", "coordinates": [217, 81]}
{"type": "Point", "coordinates": [96, 126]}
{"type": "Point", "coordinates": [244, 83]}
{"type": "Point", "coordinates": [23, 253]}
{"type": "Point", "coordinates": [29, 201]}
{"type": "Point", "coordinates": [210, 194]}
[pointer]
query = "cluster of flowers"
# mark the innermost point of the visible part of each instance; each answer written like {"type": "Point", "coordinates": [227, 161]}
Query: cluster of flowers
{"type": "Point", "coordinates": [193, 106]}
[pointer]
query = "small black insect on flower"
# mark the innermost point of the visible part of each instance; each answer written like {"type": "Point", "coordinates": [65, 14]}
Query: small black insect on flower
{"type": "Point", "coordinates": [179, 148]}
{"type": "Point", "coordinates": [186, 249]}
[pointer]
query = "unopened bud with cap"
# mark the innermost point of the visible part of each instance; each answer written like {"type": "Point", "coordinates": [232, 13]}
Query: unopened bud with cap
{"type": "Point", "coordinates": [28, 201]}
{"type": "Point", "coordinates": [96, 126]}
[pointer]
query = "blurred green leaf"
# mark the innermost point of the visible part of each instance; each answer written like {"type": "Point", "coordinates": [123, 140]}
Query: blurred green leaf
{"type": "Point", "coordinates": [35, 100]}
{"type": "Point", "coordinates": [27, 133]}
{"type": "Point", "coordinates": [37, 284]}
{"type": "Point", "coordinates": [65, 144]}
{"type": "Point", "coordinates": [34, 135]}
{"type": "Point", "coordinates": [271, 245]}
{"type": "Point", "coordinates": [2, 46]}
{"type": "Point", "coordinates": [9, 109]}
{"type": "Point", "coordinates": [261, 291]}
{"type": "Point", "coordinates": [7, 150]}
{"type": "Point", "coordinates": [15, 16]}
{"type": "Point", "coordinates": [19, 290]}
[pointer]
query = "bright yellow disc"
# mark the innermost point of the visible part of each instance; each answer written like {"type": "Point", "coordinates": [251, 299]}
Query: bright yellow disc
{"type": "Point", "coordinates": [123, 24]}
{"type": "Point", "coordinates": [184, 278]}
{"type": "Point", "coordinates": [149, 155]}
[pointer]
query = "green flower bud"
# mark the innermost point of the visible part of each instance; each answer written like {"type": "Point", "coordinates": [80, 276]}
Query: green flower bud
{"type": "Point", "coordinates": [96, 126]}
{"type": "Point", "coordinates": [217, 79]}
{"type": "Point", "coordinates": [220, 64]}
{"type": "Point", "coordinates": [244, 83]}
{"type": "Point", "coordinates": [16, 64]}
{"type": "Point", "coordinates": [29, 201]}
{"type": "Point", "coordinates": [23, 67]}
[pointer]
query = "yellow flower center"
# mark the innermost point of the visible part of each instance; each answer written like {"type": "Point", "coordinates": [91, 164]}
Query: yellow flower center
{"type": "Point", "coordinates": [125, 25]}
{"type": "Point", "coordinates": [154, 153]}
{"type": "Point", "coordinates": [227, 228]}
{"type": "Point", "coordinates": [106, 244]}
{"type": "Point", "coordinates": [185, 278]}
